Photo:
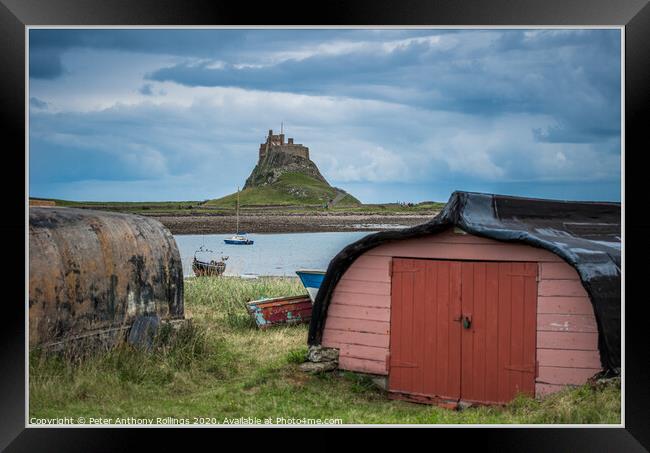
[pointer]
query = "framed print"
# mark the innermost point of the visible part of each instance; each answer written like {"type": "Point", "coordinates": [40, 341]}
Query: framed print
{"type": "Point", "coordinates": [376, 215]}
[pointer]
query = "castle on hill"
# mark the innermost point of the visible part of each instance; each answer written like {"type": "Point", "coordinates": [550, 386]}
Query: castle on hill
{"type": "Point", "coordinates": [275, 142]}
{"type": "Point", "coordinates": [277, 157]}
{"type": "Point", "coordinates": [303, 183]}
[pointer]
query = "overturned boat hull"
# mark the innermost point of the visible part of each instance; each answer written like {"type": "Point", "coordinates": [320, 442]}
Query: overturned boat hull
{"type": "Point", "coordinates": [93, 273]}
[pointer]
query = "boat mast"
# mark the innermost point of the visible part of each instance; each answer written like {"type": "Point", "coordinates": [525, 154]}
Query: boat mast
{"type": "Point", "coordinates": [237, 230]}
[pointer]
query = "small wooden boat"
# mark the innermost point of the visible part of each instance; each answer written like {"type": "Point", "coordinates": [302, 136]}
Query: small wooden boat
{"type": "Point", "coordinates": [208, 269]}
{"type": "Point", "coordinates": [311, 280]}
{"type": "Point", "coordinates": [211, 269]}
{"type": "Point", "coordinates": [280, 311]}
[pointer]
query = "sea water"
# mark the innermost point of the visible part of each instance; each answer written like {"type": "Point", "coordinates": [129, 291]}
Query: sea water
{"type": "Point", "coordinates": [278, 254]}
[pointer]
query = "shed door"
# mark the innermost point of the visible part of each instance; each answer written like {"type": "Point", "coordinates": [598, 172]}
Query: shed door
{"type": "Point", "coordinates": [424, 340]}
{"type": "Point", "coordinates": [463, 329]}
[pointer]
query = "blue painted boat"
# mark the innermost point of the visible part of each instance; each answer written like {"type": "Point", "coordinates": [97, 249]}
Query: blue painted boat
{"type": "Point", "coordinates": [238, 238]}
{"type": "Point", "coordinates": [311, 280]}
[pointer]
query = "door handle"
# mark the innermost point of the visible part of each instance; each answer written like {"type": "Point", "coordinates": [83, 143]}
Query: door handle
{"type": "Point", "coordinates": [466, 320]}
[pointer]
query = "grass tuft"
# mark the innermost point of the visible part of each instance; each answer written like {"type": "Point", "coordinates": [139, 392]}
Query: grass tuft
{"type": "Point", "coordinates": [298, 355]}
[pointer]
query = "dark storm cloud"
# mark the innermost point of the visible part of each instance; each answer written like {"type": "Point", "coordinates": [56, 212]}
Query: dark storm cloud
{"type": "Point", "coordinates": [45, 64]}
{"type": "Point", "coordinates": [48, 45]}
{"type": "Point", "coordinates": [571, 75]}
{"type": "Point", "coordinates": [36, 103]}
{"type": "Point", "coordinates": [223, 43]}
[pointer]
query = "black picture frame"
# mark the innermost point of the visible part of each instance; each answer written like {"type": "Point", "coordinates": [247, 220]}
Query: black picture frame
{"type": "Point", "coordinates": [15, 15]}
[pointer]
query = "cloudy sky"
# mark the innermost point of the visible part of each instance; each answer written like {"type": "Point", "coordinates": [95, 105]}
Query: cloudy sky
{"type": "Point", "coordinates": [389, 115]}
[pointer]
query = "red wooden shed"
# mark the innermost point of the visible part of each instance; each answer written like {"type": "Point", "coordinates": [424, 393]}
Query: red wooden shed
{"type": "Point", "coordinates": [495, 296]}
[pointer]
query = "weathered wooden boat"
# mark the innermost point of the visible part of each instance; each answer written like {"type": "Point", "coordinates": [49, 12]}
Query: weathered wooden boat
{"type": "Point", "coordinates": [211, 269]}
{"type": "Point", "coordinates": [280, 311]}
{"type": "Point", "coordinates": [208, 269]}
{"type": "Point", "coordinates": [311, 280]}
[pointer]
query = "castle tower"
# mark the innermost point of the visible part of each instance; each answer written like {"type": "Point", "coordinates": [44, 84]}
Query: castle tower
{"type": "Point", "coordinates": [275, 143]}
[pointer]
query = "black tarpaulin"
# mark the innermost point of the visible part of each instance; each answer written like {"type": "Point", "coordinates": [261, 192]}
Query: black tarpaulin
{"type": "Point", "coordinates": [586, 235]}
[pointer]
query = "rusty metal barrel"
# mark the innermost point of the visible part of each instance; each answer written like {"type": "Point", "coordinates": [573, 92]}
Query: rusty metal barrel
{"type": "Point", "coordinates": [94, 272]}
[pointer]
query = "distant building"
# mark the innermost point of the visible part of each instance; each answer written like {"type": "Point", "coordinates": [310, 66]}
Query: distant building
{"type": "Point", "coordinates": [276, 143]}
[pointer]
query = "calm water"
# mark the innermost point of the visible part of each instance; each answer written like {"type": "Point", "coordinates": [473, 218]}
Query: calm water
{"type": "Point", "coordinates": [271, 254]}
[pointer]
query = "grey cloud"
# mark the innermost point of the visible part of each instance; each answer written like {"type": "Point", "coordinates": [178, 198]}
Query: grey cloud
{"type": "Point", "coordinates": [37, 103]}
{"type": "Point", "coordinates": [573, 76]}
{"type": "Point", "coordinates": [146, 89]}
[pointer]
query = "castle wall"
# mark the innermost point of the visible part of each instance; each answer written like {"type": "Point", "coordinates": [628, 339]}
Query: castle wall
{"type": "Point", "coordinates": [295, 150]}
{"type": "Point", "coordinates": [275, 142]}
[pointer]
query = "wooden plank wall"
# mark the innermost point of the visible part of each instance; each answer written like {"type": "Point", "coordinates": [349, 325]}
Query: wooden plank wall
{"type": "Point", "coordinates": [567, 336]}
{"type": "Point", "coordinates": [358, 321]}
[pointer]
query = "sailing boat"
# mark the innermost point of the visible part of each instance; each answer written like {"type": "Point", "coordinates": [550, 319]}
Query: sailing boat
{"type": "Point", "coordinates": [238, 238]}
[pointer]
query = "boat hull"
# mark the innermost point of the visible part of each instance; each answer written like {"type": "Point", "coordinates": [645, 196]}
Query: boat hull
{"type": "Point", "coordinates": [202, 269]}
{"type": "Point", "coordinates": [311, 280]}
{"type": "Point", "coordinates": [234, 242]}
{"type": "Point", "coordinates": [280, 311]}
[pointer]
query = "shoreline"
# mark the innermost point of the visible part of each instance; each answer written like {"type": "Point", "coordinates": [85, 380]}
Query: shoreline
{"type": "Point", "coordinates": [194, 224]}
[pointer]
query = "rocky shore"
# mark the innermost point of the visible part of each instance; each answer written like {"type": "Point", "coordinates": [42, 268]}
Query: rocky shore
{"type": "Point", "coordinates": [208, 224]}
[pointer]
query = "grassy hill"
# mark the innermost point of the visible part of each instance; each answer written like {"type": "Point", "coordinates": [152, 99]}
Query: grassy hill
{"type": "Point", "coordinates": [290, 189]}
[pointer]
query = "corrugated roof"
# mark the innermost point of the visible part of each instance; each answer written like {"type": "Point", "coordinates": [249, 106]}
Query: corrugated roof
{"type": "Point", "coordinates": [586, 235]}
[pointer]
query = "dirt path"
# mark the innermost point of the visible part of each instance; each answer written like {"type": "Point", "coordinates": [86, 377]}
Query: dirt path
{"type": "Point", "coordinates": [339, 196]}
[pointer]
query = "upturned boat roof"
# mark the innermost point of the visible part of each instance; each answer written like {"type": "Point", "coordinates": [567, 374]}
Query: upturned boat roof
{"type": "Point", "coordinates": [587, 235]}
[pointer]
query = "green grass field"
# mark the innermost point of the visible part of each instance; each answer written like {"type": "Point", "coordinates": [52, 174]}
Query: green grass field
{"type": "Point", "coordinates": [134, 207]}
{"type": "Point", "coordinates": [226, 206]}
{"type": "Point", "coordinates": [219, 368]}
